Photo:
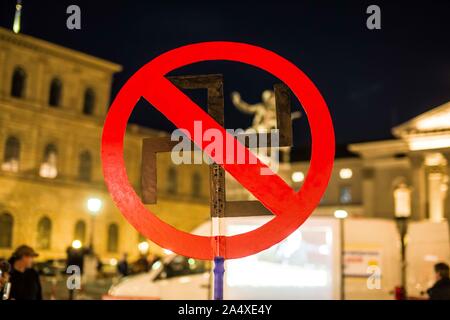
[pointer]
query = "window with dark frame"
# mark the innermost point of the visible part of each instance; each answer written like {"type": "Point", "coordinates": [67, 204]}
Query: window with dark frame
{"type": "Point", "coordinates": [55, 94]}
{"type": "Point", "coordinates": [89, 102]}
{"type": "Point", "coordinates": [18, 83]}
{"type": "Point", "coordinates": [11, 155]}
{"type": "Point", "coordinates": [44, 233]}
{"type": "Point", "coordinates": [85, 166]}
{"type": "Point", "coordinates": [113, 238]}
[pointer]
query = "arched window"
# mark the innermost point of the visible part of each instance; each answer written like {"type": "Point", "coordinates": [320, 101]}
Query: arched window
{"type": "Point", "coordinates": [44, 233]}
{"type": "Point", "coordinates": [85, 166]}
{"type": "Point", "coordinates": [11, 155]}
{"type": "Point", "coordinates": [196, 185]}
{"type": "Point", "coordinates": [172, 180]}
{"type": "Point", "coordinates": [49, 166]}
{"type": "Point", "coordinates": [6, 230]}
{"type": "Point", "coordinates": [113, 238]}
{"type": "Point", "coordinates": [55, 95]}
{"type": "Point", "coordinates": [18, 83]}
{"type": "Point", "coordinates": [89, 101]}
{"type": "Point", "coordinates": [80, 231]}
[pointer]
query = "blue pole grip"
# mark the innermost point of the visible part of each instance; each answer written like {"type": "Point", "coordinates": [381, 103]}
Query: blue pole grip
{"type": "Point", "coordinates": [219, 270]}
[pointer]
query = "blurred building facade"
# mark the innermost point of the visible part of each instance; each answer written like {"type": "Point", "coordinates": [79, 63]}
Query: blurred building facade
{"type": "Point", "coordinates": [53, 102]}
{"type": "Point", "coordinates": [418, 158]}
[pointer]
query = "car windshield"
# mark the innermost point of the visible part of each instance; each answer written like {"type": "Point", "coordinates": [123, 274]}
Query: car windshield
{"type": "Point", "coordinates": [182, 266]}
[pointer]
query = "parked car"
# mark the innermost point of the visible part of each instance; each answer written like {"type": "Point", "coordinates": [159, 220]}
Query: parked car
{"type": "Point", "coordinates": [175, 277]}
{"type": "Point", "coordinates": [51, 267]}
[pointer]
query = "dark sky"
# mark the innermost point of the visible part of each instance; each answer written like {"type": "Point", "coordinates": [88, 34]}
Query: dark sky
{"type": "Point", "coordinates": [371, 80]}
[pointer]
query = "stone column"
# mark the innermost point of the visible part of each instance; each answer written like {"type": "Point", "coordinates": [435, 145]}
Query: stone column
{"type": "Point", "coordinates": [419, 186]}
{"type": "Point", "coordinates": [368, 191]}
{"type": "Point", "coordinates": [40, 91]}
{"type": "Point", "coordinates": [447, 195]}
{"type": "Point", "coordinates": [435, 198]}
{"type": "Point", "coordinates": [3, 75]}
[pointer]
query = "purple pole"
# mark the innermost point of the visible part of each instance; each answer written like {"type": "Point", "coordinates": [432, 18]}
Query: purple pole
{"type": "Point", "coordinates": [219, 270]}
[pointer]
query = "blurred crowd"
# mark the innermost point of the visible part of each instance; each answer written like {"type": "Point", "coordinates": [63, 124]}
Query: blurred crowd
{"type": "Point", "coordinates": [20, 274]}
{"type": "Point", "coordinates": [20, 278]}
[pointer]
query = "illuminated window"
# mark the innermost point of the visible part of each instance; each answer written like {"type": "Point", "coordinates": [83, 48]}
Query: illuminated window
{"type": "Point", "coordinates": [298, 176]}
{"type": "Point", "coordinates": [49, 168]}
{"type": "Point", "coordinates": [6, 230]}
{"type": "Point", "coordinates": [113, 238]}
{"type": "Point", "coordinates": [89, 101]}
{"type": "Point", "coordinates": [44, 234]}
{"type": "Point", "coordinates": [85, 166]}
{"type": "Point", "coordinates": [345, 194]}
{"type": "Point", "coordinates": [19, 79]}
{"type": "Point", "coordinates": [172, 180]}
{"type": "Point", "coordinates": [196, 185]}
{"type": "Point", "coordinates": [80, 231]}
{"type": "Point", "coordinates": [11, 155]}
{"type": "Point", "coordinates": [345, 173]}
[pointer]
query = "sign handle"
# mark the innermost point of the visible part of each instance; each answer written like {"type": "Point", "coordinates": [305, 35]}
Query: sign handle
{"type": "Point", "coordinates": [219, 270]}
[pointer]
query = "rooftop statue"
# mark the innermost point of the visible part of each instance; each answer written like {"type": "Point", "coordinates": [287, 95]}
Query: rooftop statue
{"type": "Point", "coordinates": [264, 112]}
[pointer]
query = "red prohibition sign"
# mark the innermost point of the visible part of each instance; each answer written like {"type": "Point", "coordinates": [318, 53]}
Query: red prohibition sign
{"type": "Point", "coordinates": [290, 208]}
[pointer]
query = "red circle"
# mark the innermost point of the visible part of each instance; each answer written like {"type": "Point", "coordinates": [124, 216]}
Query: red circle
{"type": "Point", "coordinates": [291, 208]}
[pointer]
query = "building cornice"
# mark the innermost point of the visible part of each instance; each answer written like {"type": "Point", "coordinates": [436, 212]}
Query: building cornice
{"type": "Point", "coordinates": [57, 50]}
{"type": "Point", "coordinates": [425, 123]}
{"type": "Point", "coordinates": [375, 149]}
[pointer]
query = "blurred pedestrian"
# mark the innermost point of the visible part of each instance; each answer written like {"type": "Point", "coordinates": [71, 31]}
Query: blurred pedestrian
{"type": "Point", "coordinates": [25, 282]}
{"type": "Point", "coordinates": [5, 285]}
{"type": "Point", "coordinates": [142, 264]}
{"type": "Point", "coordinates": [122, 266]}
{"type": "Point", "coordinates": [99, 266]}
{"type": "Point", "coordinates": [75, 257]}
{"type": "Point", "coordinates": [441, 289]}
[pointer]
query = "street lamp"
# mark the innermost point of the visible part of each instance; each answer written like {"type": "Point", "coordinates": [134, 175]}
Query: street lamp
{"type": "Point", "coordinates": [93, 205]}
{"type": "Point", "coordinates": [76, 244]}
{"type": "Point", "coordinates": [297, 176]}
{"type": "Point", "coordinates": [402, 210]}
{"type": "Point", "coordinates": [143, 248]}
{"type": "Point", "coordinates": [342, 215]}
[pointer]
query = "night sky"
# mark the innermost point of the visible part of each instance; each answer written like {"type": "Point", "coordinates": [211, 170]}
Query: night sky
{"type": "Point", "coordinates": [371, 80]}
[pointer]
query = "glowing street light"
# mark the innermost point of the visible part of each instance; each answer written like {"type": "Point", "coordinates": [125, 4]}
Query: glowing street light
{"type": "Point", "coordinates": [340, 214]}
{"type": "Point", "coordinates": [345, 173]}
{"type": "Point", "coordinates": [402, 214]}
{"type": "Point", "coordinates": [298, 176]}
{"type": "Point", "coordinates": [94, 205]}
{"type": "Point", "coordinates": [143, 247]}
{"type": "Point", "coordinates": [76, 244]}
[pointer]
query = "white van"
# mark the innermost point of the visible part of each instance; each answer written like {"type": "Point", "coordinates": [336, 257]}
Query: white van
{"type": "Point", "coordinates": [303, 266]}
{"type": "Point", "coordinates": [306, 265]}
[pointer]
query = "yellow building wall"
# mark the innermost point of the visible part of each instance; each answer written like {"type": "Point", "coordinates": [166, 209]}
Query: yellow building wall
{"type": "Point", "coordinates": [27, 197]}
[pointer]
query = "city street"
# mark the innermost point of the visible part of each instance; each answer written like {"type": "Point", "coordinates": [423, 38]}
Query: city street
{"type": "Point", "coordinates": [223, 152]}
{"type": "Point", "coordinates": [55, 288]}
